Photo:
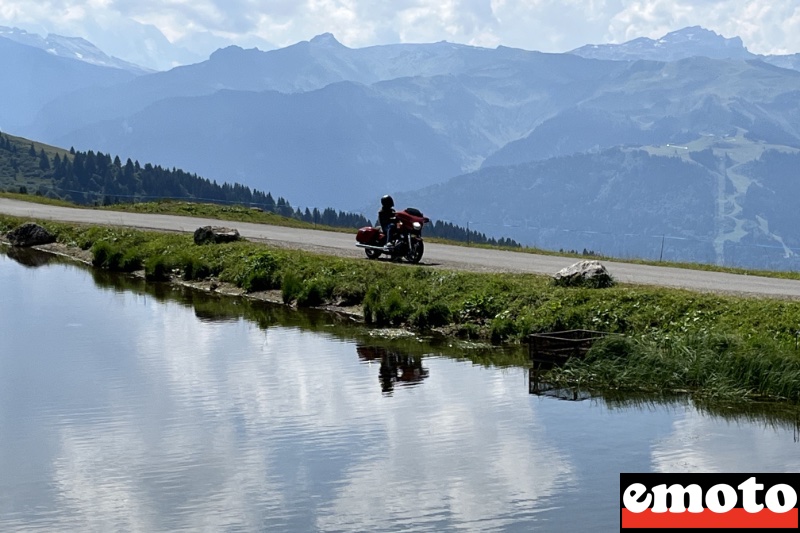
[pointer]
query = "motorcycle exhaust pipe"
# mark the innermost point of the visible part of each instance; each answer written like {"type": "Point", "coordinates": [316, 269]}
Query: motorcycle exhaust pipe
{"type": "Point", "coordinates": [370, 247]}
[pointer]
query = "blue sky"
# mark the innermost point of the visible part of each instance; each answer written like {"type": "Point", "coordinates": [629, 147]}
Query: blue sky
{"type": "Point", "coordinates": [162, 33]}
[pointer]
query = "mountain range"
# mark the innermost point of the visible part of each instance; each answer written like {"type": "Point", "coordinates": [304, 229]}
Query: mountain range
{"type": "Point", "coordinates": [667, 139]}
{"type": "Point", "coordinates": [69, 48]}
{"type": "Point", "coordinates": [34, 77]}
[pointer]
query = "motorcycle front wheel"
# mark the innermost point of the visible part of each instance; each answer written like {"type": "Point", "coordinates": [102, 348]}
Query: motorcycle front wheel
{"type": "Point", "coordinates": [415, 252]}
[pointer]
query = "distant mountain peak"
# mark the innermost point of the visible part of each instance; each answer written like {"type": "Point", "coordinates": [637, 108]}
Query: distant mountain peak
{"type": "Point", "coordinates": [700, 35]}
{"type": "Point", "coordinates": [680, 44]}
{"type": "Point", "coordinates": [327, 39]}
{"type": "Point", "coordinates": [69, 47]}
{"type": "Point", "coordinates": [229, 52]}
{"type": "Point", "coordinates": [692, 33]}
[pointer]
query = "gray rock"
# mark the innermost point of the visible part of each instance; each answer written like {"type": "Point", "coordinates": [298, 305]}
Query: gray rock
{"type": "Point", "coordinates": [29, 234]}
{"type": "Point", "coordinates": [584, 274]}
{"type": "Point", "coordinates": [215, 235]}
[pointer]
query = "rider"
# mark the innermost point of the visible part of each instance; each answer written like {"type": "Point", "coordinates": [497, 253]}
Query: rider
{"type": "Point", "coordinates": [386, 219]}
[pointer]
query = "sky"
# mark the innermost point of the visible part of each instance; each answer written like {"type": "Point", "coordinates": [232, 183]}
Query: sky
{"type": "Point", "coordinates": [163, 33]}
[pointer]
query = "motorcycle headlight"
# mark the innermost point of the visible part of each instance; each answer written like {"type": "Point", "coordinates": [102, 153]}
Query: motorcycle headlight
{"type": "Point", "coordinates": [417, 225]}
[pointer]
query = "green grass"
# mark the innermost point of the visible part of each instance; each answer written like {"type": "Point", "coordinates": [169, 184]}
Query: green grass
{"type": "Point", "coordinates": [37, 199]}
{"type": "Point", "coordinates": [711, 364]}
{"type": "Point", "coordinates": [115, 258]}
{"type": "Point", "coordinates": [511, 304]}
{"type": "Point", "coordinates": [717, 345]}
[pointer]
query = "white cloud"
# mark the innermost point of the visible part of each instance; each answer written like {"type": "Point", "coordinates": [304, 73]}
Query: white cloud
{"type": "Point", "coordinates": [766, 26]}
{"type": "Point", "coordinates": [215, 408]}
{"type": "Point", "coordinates": [701, 443]}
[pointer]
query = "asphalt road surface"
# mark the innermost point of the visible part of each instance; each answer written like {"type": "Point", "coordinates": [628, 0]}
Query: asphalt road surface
{"type": "Point", "coordinates": [437, 255]}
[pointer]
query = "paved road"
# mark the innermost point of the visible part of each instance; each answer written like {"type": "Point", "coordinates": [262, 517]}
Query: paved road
{"type": "Point", "coordinates": [459, 257]}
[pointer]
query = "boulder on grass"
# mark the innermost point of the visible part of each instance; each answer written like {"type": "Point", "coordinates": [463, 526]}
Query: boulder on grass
{"type": "Point", "coordinates": [584, 274]}
{"type": "Point", "coordinates": [215, 235]}
{"type": "Point", "coordinates": [29, 234]}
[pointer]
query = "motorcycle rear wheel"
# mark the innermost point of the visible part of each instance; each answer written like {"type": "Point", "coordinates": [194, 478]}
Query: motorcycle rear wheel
{"type": "Point", "coordinates": [414, 255]}
{"type": "Point", "coordinates": [372, 254]}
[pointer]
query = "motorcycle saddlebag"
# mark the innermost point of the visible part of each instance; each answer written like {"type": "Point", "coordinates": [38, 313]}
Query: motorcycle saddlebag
{"type": "Point", "coordinates": [367, 235]}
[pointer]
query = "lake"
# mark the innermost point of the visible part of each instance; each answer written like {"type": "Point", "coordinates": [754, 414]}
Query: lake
{"type": "Point", "coordinates": [133, 407]}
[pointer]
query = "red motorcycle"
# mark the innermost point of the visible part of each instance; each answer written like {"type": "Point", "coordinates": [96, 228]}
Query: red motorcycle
{"type": "Point", "coordinates": [406, 237]}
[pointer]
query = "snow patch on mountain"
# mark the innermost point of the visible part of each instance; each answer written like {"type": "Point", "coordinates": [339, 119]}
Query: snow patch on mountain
{"type": "Point", "coordinates": [681, 44]}
{"type": "Point", "coordinates": [69, 47]}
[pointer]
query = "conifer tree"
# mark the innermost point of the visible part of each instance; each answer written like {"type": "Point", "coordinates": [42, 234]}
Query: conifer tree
{"type": "Point", "coordinates": [44, 161]}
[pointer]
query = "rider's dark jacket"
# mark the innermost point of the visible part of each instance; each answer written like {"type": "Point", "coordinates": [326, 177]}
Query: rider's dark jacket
{"type": "Point", "coordinates": [385, 217]}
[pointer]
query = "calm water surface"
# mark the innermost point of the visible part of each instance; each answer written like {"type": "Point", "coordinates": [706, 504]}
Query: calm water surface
{"type": "Point", "coordinates": [126, 410]}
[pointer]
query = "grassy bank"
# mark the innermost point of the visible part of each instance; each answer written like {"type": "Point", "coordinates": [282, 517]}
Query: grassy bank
{"type": "Point", "coordinates": [709, 363]}
{"type": "Point", "coordinates": [717, 346]}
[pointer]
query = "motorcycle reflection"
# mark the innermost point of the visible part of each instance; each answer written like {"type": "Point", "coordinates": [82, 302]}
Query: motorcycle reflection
{"type": "Point", "coordinates": [396, 368]}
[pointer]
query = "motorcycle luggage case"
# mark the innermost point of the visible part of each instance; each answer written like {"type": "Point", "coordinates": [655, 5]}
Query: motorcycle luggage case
{"type": "Point", "coordinates": [367, 235]}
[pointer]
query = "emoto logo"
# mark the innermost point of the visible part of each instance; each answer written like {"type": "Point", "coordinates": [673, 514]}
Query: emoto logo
{"type": "Point", "coordinates": [719, 501]}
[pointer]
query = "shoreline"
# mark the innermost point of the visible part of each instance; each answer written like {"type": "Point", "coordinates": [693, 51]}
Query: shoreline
{"type": "Point", "coordinates": [712, 346]}
{"type": "Point", "coordinates": [210, 285]}
{"type": "Point", "coordinates": [777, 412]}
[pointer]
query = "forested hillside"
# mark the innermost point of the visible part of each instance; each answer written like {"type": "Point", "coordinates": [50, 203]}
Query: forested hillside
{"type": "Point", "coordinates": [706, 201]}
{"type": "Point", "coordinates": [91, 178]}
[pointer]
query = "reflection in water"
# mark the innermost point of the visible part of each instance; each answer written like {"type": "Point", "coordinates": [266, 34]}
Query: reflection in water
{"type": "Point", "coordinates": [540, 387]}
{"type": "Point", "coordinates": [775, 416]}
{"type": "Point", "coordinates": [396, 367]}
{"type": "Point", "coordinates": [213, 307]}
{"type": "Point", "coordinates": [769, 417]}
{"type": "Point", "coordinates": [136, 414]}
{"type": "Point", "coordinates": [702, 443]}
{"type": "Point", "coordinates": [28, 256]}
